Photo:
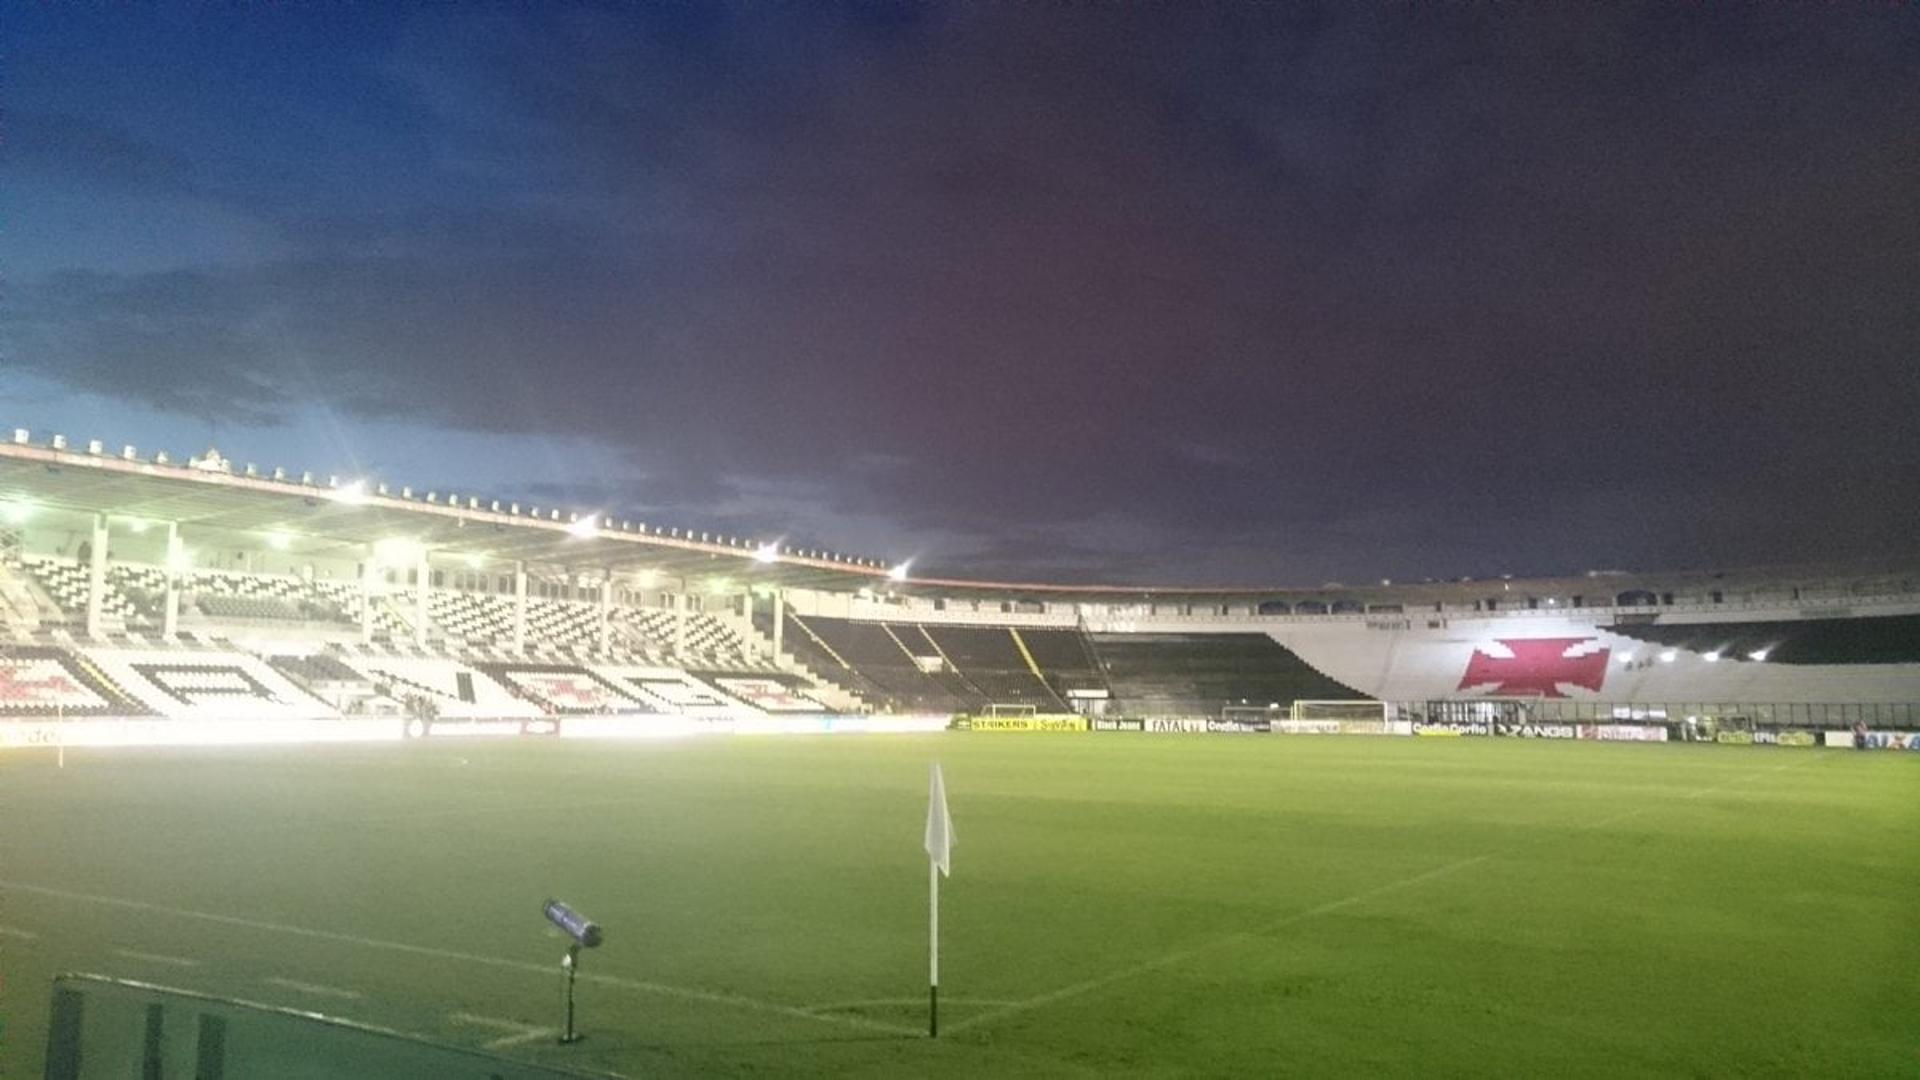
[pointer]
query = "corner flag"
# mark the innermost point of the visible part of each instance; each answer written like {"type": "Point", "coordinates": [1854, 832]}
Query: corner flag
{"type": "Point", "coordinates": [939, 825]}
{"type": "Point", "coordinates": [939, 845]}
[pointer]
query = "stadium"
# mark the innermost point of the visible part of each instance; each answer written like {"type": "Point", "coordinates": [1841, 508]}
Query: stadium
{"type": "Point", "coordinates": [282, 745]}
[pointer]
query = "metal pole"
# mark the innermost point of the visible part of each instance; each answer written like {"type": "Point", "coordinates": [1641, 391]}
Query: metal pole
{"type": "Point", "coordinates": [572, 965]}
{"type": "Point", "coordinates": [933, 950]}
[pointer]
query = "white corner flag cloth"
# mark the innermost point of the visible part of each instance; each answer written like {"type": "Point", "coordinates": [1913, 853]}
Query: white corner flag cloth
{"type": "Point", "coordinates": [939, 826]}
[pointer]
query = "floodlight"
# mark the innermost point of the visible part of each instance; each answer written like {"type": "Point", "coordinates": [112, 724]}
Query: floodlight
{"type": "Point", "coordinates": [1668, 656]}
{"type": "Point", "coordinates": [586, 526]}
{"type": "Point", "coordinates": [476, 561]}
{"type": "Point", "coordinates": [352, 493]}
{"type": "Point", "coordinates": [1758, 655]}
{"type": "Point", "coordinates": [581, 929]}
{"type": "Point", "coordinates": [767, 553]}
{"type": "Point", "coordinates": [137, 525]}
{"type": "Point", "coordinates": [1711, 657]}
{"type": "Point", "coordinates": [1625, 659]}
{"type": "Point", "coordinates": [16, 513]}
{"type": "Point", "coordinates": [899, 573]}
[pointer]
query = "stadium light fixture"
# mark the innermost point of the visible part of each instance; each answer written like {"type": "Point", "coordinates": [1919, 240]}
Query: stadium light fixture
{"type": "Point", "coordinates": [767, 553]}
{"type": "Point", "coordinates": [1712, 657]}
{"type": "Point", "coordinates": [585, 527]}
{"type": "Point", "coordinates": [1625, 658]}
{"type": "Point", "coordinates": [476, 560]}
{"type": "Point", "coordinates": [351, 493]}
{"type": "Point", "coordinates": [16, 512]}
{"type": "Point", "coordinates": [899, 573]}
{"type": "Point", "coordinates": [1758, 656]}
{"type": "Point", "coordinates": [137, 526]}
{"type": "Point", "coordinates": [1669, 656]}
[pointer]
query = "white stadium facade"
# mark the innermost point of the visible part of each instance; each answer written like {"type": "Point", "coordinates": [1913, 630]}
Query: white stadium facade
{"type": "Point", "coordinates": [149, 600]}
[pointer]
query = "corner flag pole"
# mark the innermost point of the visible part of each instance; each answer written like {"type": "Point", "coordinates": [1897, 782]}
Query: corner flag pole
{"type": "Point", "coordinates": [939, 844]}
{"type": "Point", "coordinates": [933, 951]}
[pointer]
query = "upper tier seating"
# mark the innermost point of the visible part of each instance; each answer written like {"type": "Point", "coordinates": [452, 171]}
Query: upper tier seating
{"type": "Point", "coordinates": [710, 642]}
{"type": "Point", "coordinates": [1887, 639]}
{"type": "Point", "coordinates": [1199, 674]}
{"type": "Point", "coordinates": [65, 581]}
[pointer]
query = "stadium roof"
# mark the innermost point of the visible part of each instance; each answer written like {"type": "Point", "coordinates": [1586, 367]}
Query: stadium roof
{"type": "Point", "coordinates": [345, 518]}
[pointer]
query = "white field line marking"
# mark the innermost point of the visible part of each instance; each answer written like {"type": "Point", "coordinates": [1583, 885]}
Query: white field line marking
{"type": "Point", "coordinates": [1169, 959]}
{"type": "Point", "coordinates": [16, 932]}
{"type": "Point", "coordinates": [517, 1033]}
{"type": "Point", "coordinates": [831, 1006]}
{"type": "Point", "coordinates": [639, 985]}
{"type": "Point", "coordinates": [314, 988]}
{"type": "Point", "coordinates": [1158, 962]}
{"type": "Point", "coordinates": [156, 958]}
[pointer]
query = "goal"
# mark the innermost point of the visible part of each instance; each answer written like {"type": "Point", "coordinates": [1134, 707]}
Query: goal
{"type": "Point", "coordinates": [1011, 710]}
{"type": "Point", "coordinates": [1376, 711]}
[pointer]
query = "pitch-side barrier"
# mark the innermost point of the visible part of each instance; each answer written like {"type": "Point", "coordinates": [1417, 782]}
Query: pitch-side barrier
{"type": "Point", "coordinates": [147, 731]}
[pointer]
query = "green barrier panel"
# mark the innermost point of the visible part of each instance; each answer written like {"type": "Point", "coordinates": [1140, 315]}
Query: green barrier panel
{"type": "Point", "coordinates": [101, 1028]}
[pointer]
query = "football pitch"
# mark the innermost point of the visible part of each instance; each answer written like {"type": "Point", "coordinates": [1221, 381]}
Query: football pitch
{"type": "Point", "coordinates": [1120, 904]}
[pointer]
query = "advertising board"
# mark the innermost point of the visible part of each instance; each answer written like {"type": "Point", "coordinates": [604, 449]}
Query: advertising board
{"type": "Point", "coordinates": [1536, 731]}
{"type": "Point", "coordinates": [1028, 723]}
{"type": "Point", "coordinates": [1452, 728]}
{"type": "Point", "coordinates": [1623, 733]}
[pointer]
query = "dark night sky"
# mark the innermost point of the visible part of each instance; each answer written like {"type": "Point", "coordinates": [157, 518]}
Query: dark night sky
{"type": "Point", "coordinates": [1197, 293]}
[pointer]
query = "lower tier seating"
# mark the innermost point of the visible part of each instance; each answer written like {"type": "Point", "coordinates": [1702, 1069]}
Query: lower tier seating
{"type": "Point", "coordinates": [1200, 674]}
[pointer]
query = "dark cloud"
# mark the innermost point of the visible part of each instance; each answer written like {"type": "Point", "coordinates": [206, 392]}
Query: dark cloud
{"type": "Point", "coordinates": [1220, 293]}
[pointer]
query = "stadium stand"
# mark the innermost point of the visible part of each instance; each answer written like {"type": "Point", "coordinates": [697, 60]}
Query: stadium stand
{"type": "Point", "coordinates": [871, 660]}
{"type": "Point", "coordinates": [994, 661]}
{"type": "Point", "coordinates": [65, 583]}
{"type": "Point", "coordinates": [184, 685]}
{"type": "Point", "coordinates": [1199, 674]}
{"type": "Point", "coordinates": [43, 681]}
{"type": "Point", "coordinates": [1065, 659]}
{"type": "Point", "coordinates": [1887, 639]}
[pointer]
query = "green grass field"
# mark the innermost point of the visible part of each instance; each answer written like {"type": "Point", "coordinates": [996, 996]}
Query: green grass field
{"type": "Point", "coordinates": [1140, 905]}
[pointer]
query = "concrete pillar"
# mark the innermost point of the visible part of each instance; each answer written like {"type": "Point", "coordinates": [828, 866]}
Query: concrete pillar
{"type": "Point", "coordinates": [779, 621]}
{"type": "Point", "coordinates": [175, 557]}
{"type": "Point", "coordinates": [606, 612]}
{"type": "Point", "coordinates": [97, 576]}
{"type": "Point", "coordinates": [680, 619]}
{"type": "Point", "coordinates": [368, 571]}
{"type": "Point", "coordinates": [519, 607]}
{"type": "Point", "coordinates": [423, 578]}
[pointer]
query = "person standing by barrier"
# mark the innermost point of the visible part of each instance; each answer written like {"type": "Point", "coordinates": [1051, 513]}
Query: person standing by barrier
{"type": "Point", "coordinates": [1859, 734]}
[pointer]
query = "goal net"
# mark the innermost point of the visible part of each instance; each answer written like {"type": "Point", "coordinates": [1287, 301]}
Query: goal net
{"type": "Point", "coordinates": [1340, 710]}
{"type": "Point", "coordinates": [1011, 710]}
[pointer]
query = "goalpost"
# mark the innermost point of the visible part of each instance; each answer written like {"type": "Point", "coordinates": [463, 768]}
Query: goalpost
{"type": "Point", "coordinates": [1376, 711]}
{"type": "Point", "coordinates": [1011, 710]}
